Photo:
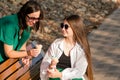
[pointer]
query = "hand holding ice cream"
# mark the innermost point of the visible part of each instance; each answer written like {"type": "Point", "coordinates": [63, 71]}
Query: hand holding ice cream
{"type": "Point", "coordinates": [53, 64]}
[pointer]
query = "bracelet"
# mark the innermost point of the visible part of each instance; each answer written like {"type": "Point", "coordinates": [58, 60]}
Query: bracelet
{"type": "Point", "coordinates": [28, 52]}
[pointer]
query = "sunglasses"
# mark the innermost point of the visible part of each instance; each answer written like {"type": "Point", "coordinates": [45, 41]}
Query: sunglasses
{"type": "Point", "coordinates": [62, 25]}
{"type": "Point", "coordinates": [33, 18]}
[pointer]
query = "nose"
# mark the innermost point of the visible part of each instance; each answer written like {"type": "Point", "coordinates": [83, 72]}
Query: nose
{"type": "Point", "coordinates": [63, 28]}
{"type": "Point", "coordinates": [34, 21]}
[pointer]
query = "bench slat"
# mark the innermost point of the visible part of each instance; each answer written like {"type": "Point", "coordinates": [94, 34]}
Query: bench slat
{"type": "Point", "coordinates": [18, 73]}
{"type": "Point", "coordinates": [10, 70]}
{"type": "Point", "coordinates": [30, 74]}
{"type": "Point", "coordinates": [6, 64]}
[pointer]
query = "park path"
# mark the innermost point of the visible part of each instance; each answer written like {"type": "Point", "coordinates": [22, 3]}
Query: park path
{"type": "Point", "coordinates": [105, 48]}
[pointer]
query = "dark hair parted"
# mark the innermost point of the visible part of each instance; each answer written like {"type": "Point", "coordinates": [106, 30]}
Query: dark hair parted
{"type": "Point", "coordinates": [80, 36]}
{"type": "Point", "coordinates": [27, 8]}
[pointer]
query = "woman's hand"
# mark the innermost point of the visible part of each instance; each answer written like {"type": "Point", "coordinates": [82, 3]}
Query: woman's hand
{"type": "Point", "coordinates": [53, 63]}
{"type": "Point", "coordinates": [26, 61]}
{"type": "Point", "coordinates": [35, 52]}
{"type": "Point", "coordinates": [54, 74]}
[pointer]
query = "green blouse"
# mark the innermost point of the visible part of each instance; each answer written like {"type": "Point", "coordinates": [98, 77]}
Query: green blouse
{"type": "Point", "coordinates": [9, 34]}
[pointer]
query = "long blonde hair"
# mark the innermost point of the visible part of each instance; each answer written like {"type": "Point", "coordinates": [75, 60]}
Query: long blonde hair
{"type": "Point", "coordinates": [80, 36]}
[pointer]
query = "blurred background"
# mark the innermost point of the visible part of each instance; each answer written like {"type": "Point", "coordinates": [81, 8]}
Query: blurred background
{"type": "Point", "coordinates": [93, 12]}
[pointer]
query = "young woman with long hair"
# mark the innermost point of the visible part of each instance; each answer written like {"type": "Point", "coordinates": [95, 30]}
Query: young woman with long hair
{"type": "Point", "coordinates": [72, 52]}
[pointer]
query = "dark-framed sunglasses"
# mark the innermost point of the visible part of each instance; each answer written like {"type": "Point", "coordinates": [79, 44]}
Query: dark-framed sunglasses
{"type": "Point", "coordinates": [33, 18]}
{"type": "Point", "coordinates": [62, 25]}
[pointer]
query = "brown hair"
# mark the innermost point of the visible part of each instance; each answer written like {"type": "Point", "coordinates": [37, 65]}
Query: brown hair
{"type": "Point", "coordinates": [27, 8]}
{"type": "Point", "coordinates": [80, 36]}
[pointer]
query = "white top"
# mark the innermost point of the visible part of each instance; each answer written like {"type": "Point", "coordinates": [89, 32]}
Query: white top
{"type": "Point", "coordinates": [77, 56]}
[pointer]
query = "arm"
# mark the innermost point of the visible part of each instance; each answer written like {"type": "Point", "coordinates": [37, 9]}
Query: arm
{"type": "Point", "coordinates": [45, 63]}
{"type": "Point", "coordinates": [51, 52]}
{"type": "Point", "coordinates": [23, 52]}
{"type": "Point", "coordinates": [9, 52]}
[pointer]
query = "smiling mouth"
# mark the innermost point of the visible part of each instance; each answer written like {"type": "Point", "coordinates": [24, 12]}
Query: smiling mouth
{"type": "Point", "coordinates": [32, 24]}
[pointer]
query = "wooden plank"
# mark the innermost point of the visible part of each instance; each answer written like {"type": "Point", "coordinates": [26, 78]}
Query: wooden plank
{"type": "Point", "coordinates": [10, 70]}
{"type": "Point", "coordinates": [32, 73]}
{"type": "Point", "coordinates": [26, 76]}
{"type": "Point", "coordinates": [7, 64]}
{"type": "Point", "coordinates": [18, 73]}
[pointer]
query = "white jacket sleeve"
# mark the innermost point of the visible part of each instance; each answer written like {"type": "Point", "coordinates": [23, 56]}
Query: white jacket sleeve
{"type": "Point", "coordinates": [45, 63]}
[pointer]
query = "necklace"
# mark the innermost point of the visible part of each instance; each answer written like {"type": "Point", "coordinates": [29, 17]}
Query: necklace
{"type": "Point", "coordinates": [20, 34]}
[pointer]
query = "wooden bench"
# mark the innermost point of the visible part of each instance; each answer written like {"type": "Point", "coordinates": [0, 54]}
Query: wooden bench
{"type": "Point", "coordinates": [13, 69]}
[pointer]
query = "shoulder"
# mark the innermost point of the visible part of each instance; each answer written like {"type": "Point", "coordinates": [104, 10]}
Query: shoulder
{"type": "Point", "coordinates": [56, 42]}
{"type": "Point", "coordinates": [9, 19]}
{"type": "Point", "coordinates": [9, 22]}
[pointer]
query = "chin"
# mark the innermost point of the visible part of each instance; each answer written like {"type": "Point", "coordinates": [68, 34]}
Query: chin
{"type": "Point", "coordinates": [30, 25]}
{"type": "Point", "coordinates": [64, 36]}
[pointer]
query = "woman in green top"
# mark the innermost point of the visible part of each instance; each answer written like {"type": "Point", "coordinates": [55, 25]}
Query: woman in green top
{"type": "Point", "coordinates": [15, 31]}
